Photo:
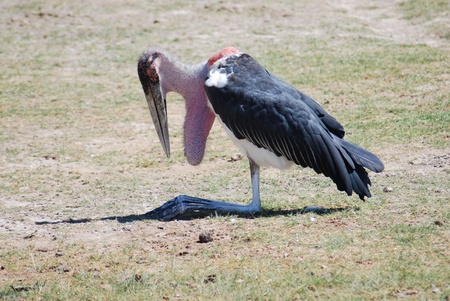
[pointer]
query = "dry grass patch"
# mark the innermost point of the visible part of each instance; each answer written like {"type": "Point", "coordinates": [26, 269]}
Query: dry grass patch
{"type": "Point", "coordinates": [80, 161]}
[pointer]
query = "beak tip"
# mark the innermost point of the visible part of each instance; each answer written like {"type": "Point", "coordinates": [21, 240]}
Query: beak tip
{"type": "Point", "coordinates": [167, 151]}
{"type": "Point", "coordinates": [157, 106]}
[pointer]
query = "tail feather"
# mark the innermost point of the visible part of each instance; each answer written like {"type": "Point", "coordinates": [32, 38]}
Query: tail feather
{"type": "Point", "coordinates": [360, 182]}
{"type": "Point", "coordinates": [362, 156]}
{"type": "Point", "coordinates": [356, 160]}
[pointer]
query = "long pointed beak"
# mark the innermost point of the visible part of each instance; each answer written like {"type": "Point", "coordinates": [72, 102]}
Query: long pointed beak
{"type": "Point", "coordinates": [158, 110]}
{"type": "Point", "coordinates": [156, 103]}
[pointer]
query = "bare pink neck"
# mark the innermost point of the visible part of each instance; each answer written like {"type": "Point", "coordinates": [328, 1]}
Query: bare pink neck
{"type": "Point", "coordinates": [188, 80]}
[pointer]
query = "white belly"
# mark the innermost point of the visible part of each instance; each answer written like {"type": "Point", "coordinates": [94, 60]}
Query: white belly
{"type": "Point", "coordinates": [260, 156]}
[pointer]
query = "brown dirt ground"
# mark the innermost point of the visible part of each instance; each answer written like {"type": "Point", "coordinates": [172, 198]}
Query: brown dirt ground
{"type": "Point", "coordinates": [42, 225]}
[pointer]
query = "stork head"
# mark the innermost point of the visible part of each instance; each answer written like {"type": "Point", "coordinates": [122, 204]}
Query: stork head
{"type": "Point", "coordinates": [216, 77]}
{"type": "Point", "coordinates": [148, 66]}
{"type": "Point", "coordinates": [221, 54]}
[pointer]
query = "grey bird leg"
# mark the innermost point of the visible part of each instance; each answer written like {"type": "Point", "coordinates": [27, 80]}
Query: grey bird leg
{"type": "Point", "coordinates": [184, 203]}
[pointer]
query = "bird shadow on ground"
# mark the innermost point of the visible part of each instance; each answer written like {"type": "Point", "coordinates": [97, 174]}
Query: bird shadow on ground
{"type": "Point", "coordinates": [202, 214]}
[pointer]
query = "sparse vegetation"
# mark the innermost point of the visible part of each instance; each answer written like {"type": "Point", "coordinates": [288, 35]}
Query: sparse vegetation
{"type": "Point", "coordinates": [433, 14]}
{"type": "Point", "coordinates": [80, 161]}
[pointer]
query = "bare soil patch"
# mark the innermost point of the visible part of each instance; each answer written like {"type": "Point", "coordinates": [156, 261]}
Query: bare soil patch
{"type": "Point", "coordinates": [75, 181]}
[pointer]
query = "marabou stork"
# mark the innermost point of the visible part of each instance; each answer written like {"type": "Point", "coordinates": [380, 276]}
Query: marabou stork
{"type": "Point", "coordinates": [272, 123]}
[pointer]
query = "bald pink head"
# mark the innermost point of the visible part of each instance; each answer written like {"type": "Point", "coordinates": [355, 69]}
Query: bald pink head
{"type": "Point", "coordinates": [223, 53]}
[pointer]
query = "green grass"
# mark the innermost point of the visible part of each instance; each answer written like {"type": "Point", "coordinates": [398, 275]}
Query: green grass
{"type": "Point", "coordinates": [434, 14]}
{"type": "Point", "coordinates": [78, 152]}
{"type": "Point", "coordinates": [425, 9]}
{"type": "Point", "coordinates": [296, 269]}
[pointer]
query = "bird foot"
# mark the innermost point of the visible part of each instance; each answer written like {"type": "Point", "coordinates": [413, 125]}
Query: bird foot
{"type": "Point", "coordinates": [183, 204]}
{"type": "Point", "coordinates": [169, 210]}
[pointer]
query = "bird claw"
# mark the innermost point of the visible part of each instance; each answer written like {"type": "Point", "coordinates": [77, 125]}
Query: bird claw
{"type": "Point", "coordinates": [183, 204]}
{"type": "Point", "coordinates": [169, 210]}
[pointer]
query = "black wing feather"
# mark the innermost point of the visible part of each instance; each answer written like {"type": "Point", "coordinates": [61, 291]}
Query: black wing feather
{"type": "Point", "coordinates": [273, 115]}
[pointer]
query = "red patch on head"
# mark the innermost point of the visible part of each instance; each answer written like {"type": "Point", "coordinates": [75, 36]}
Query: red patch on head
{"type": "Point", "coordinates": [225, 52]}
